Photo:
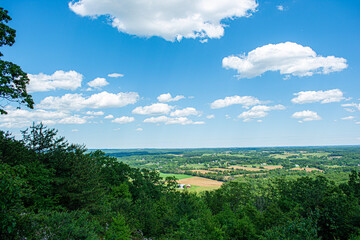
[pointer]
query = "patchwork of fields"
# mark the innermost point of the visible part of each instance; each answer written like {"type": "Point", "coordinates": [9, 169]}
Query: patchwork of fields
{"type": "Point", "coordinates": [207, 169]}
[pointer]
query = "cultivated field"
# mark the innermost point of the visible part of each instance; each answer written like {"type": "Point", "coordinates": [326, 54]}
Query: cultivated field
{"type": "Point", "coordinates": [199, 181]}
{"type": "Point", "coordinates": [307, 169]}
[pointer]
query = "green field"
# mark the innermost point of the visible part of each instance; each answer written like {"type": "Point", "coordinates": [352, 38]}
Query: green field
{"type": "Point", "coordinates": [199, 189]}
{"type": "Point", "coordinates": [178, 176]}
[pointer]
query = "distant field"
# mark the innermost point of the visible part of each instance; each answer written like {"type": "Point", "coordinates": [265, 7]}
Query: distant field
{"type": "Point", "coordinates": [199, 181]}
{"type": "Point", "coordinates": [246, 168]}
{"type": "Point", "coordinates": [203, 171]}
{"type": "Point", "coordinates": [283, 156]}
{"type": "Point", "coordinates": [199, 189]}
{"type": "Point", "coordinates": [178, 176]}
{"type": "Point", "coordinates": [307, 169]}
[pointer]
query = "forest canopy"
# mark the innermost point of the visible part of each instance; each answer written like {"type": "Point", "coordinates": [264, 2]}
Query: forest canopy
{"type": "Point", "coordinates": [51, 189]}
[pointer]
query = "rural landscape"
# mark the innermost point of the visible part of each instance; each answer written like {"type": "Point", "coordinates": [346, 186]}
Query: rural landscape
{"type": "Point", "coordinates": [179, 119]}
{"type": "Point", "coordinates": [208, 169]}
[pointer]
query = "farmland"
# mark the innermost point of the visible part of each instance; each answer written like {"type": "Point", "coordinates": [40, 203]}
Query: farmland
{"type": "Point", "coordinates": [237, 164]}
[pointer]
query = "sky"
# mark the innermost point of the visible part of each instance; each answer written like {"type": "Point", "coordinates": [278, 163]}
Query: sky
{"type": "Point", "coordinates": [189, 74]}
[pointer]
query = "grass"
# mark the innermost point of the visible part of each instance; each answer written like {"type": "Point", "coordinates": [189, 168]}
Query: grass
{"type": "Point", "coordinates": [199, 189]}
{"type": "Point", "coordinates": [178, 176]}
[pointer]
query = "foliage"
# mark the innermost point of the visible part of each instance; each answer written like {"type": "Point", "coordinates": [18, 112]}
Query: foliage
{"type": "Point", "coordinates": [51, 189]}
{"type": "Point", "coordinates": [13, 80]}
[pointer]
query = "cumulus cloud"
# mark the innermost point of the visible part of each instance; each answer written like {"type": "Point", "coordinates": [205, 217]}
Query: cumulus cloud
{"type": "Point", "coordinates": [168, 120]}
{"type": "Point", "coordinates": [100, 100]}
{"type": "Point", "coordinates": [123, 120]}
{"type": "Point", "coordinates": [167, 19]}
{"type": "Point", "coordinates": [166, 97]}
{"type": "Point", "coordinates": [154, 109]}
{"type": "Point", "coordinates": [259, 111]}
{"type": "Point", "coordinates": [18, 118]}
{"type": "Point", "coordinates": [76, 119]}
{"type": "Point", "coordinates": [41, 82]}
{"type": "Point", "coordinates": [306, 116]}
{"type": "Point", "coordinates": [280, 7]}
{"type": "Point", "coordinates": [115, 75]}
{"type": "Point", "coordinates": [185, 112]}
{"type": "Point", "coordinates": [210, 116]}
{"type": "Point", "coordinates": [289, 58]}
{"type": "Point", "coordinates": [139, 129]}
{"type": "Point", "coordinates": [109, 116]}
{"type": "Point", "coordinates": [334, 95]}
{"type": "Point", "coordinates": [93, 113]}
{"type": "Point", "coordinates": [98, 82]}
{"type": "Point", "coordinates": [246, 101]}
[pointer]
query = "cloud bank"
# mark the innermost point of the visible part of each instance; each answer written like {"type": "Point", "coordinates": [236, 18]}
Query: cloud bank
{"type": "Point", "coordinates": [166, 97]}
{"type": "Point", "coordinates": [154, 109]}
{"type": "Point", "coordinates": [41, 82]}
{"type": "Point", "coordinates": [171, 19]}
{"type": "Point", "coordinates": [288, 58]}
{"type": "Point", "coordinates": [259, 111]}
{"type": "Point", "coordinates": [306, 116]}
{"type": "Point", "coordinates": [334, 95]}
{"type": "Point", "coordinates": [100, 100]}
{"type": "Point", "coordinates": [246, 101]}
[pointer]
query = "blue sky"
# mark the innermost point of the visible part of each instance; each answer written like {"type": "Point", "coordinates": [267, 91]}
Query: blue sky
{"type": "Point", "coordinates": [231, 73]}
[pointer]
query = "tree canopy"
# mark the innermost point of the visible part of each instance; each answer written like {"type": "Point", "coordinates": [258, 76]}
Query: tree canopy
{"type": "Point", "coordinates": [13, 79]}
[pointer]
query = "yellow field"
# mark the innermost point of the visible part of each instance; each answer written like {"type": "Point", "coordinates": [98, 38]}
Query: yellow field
{"type": "Point", "coordinates": [307, 169]}
{"type": "Point", "coordinates": [199, 181]}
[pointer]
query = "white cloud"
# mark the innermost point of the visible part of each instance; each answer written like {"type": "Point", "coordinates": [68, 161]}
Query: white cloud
{"type": "Point", "coordinates": [351, 105]}
{"type": "Point", "coordinates": [93, 113]}
{"type": "Point", "coordinates": [18, 118]}
{"type": "Point", "coordinates": [210, 116]}
{"type": "Point", "coordinates": [115, 75]}
{"type": "Point", "coordinates": [75, 130]}
{"type": "Point", "coordinates": [109, 116]}
{"type": "Point", "coordinates": [72, 120]}
{"type": "Point", "coordinates": [334, 95]}
{"type": "Point", "coordinates": [289, 58]}
{"type": "Point", "coordinates": [166, 97]}
{"type": "Point", "coordinates": [168, 120]}
{"type": "Point", "coordinates": [307, 116]}
{"type": "Point", "coordinates": [185, 112]}
{"type": "Point", "coordinates": [123, 120]}
{"type": "Point", "coordinates": [167, 19]}
{"type": "Point", "coordinates": [70, 80]}
{"type": "Point", "coordinates": [139, 129]}
{"type": "Point", "coordinates": [95, 101]}
{"type": "Point", "coordinates": [156, 108]}
{"type": "Point", "coordinates": [246, 101]}
{"type": "Point", "coordinates": [280, 7]}
{"type": "Point", "coordinates": [348, 118]}
{"type": "Point", "coordinates": [98, 82]}
{"type": "Point", "coordinates": [259, 111]}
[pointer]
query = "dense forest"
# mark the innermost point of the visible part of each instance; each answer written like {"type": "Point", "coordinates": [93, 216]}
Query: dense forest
{"type": "Point", "coordinates": [51, 189]}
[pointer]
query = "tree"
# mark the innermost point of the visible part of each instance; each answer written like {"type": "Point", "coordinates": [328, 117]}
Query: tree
{"type": "Point", "coordinates": [13, 79]}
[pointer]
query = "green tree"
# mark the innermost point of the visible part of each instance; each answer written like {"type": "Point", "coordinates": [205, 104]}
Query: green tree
{"type": "Point", "coordinates": [13, 79]}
